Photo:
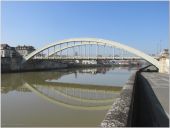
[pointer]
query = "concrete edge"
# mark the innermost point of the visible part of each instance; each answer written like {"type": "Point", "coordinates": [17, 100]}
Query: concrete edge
{"type": "Point", "coordinates": [117, 115]}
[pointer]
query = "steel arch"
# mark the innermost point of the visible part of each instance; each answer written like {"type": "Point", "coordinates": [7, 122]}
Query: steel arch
{"type": "Point", "coordinates": [101, 41]}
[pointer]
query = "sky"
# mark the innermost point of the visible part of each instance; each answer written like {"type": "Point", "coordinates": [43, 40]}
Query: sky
{"type": "Point", "coordinates": [142, 25]}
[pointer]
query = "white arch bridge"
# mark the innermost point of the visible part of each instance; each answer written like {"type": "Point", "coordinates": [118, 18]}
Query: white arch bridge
{"type": "Point", "coordinates": [89, 48]}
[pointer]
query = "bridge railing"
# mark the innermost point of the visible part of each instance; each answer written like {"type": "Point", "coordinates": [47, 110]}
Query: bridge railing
{"type": "Point", "coordinates": [88, 58]}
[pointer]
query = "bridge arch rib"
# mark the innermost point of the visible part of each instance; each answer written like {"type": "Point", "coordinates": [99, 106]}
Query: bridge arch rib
{"type": "Point", "coordinates": [95, 41]}
{"type": "Point", "coordinates": [76, 45]}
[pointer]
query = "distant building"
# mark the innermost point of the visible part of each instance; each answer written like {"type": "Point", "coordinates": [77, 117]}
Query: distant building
{"type": "Point", "coordinates": [123, 62]}
{"type": "Point", "coordinates": [89, 62]}
{"type": "Point", "coordinates": [164, 61]}
{"type": "Point", "coordinates": [6, 50]}
{"type": "Point", "coordinates": [165, 53]}
{"type": "Point", "coordinates": [24, 50]}
{"type": "Point", "coordinates": [14, 53]}
{"type": "Point", "coordinates": [77, 61]}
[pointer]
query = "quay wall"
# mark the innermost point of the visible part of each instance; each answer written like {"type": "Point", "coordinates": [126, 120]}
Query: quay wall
{"type": "Point", "coordinates": [137, 106]}
{"type": "Point", "coordinates": [14, 65]}
{"type": "Point", "coordinates": [117, 115]}
{"type": "Point", "coordinates": [146, 110]}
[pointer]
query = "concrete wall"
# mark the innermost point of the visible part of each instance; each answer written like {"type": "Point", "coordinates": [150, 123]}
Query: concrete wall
{"type": "Point", "coordinates": [137, 106]}
{"type": "Point", "coordinates": [117, 116]}
{"type": "Point", "coordinates": [14, 65]}
{"type": "Point", "coordinates": [146, 110]}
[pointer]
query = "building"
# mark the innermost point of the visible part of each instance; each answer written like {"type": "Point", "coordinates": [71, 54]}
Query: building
{"type": "Point", "coordinates": [24, 50]}
{"type": "Point", "coordinates": [6, 50]}
{"type": "Point", "coordinates": [123, 63]}
{"type": "Point", "coordinates": [89, 62]}
{"type": "Point", "coordinates": [77, 61]}
{"type": "Point", "coordinates": [164, 53]}
{"type": "Point", "coordinates": [164, 61]}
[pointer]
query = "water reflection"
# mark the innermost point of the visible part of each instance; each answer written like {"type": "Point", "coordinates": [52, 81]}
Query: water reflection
{"type": "Point", "coordinates": [14, 81]}
{"type": "Point", "coordinates": [57, 92]}
{"type": "Point", "coordinates": [76, 96]}
{"type": "Point", "coordinates": [108, 76]}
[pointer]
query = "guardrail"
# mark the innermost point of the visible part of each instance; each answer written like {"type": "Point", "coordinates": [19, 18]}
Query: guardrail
{"type": "Point", "coordinates": [90, 58]}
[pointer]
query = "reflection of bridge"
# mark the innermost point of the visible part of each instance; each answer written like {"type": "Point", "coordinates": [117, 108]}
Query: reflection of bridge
{"type": "Point", "coordinates": [77, 98]}
{"type": "Point", "coordinates": [88, 48]}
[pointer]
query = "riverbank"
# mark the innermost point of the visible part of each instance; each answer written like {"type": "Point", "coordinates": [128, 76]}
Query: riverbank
{"type": "Point", "coordinates": [10, 65]}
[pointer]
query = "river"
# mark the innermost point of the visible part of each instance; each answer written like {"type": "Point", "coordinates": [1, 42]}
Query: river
{"type": "Point", "coordinates": [60, 98]}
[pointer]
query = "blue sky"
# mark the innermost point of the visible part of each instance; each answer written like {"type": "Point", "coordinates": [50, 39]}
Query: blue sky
{"type": "Point", "coordinates": [137, 24]}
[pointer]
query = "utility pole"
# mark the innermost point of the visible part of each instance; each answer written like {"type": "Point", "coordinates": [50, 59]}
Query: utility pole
{"type": "Point", "coordinates": [157, 50]}
{"type": "Point", "coordinates": [160, 46]}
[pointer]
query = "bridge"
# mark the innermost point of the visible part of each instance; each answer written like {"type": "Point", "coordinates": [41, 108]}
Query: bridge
{"type": "Point", "coordinates": [89, 58]}
{"type": "Point", "coordinates": [88, 49]}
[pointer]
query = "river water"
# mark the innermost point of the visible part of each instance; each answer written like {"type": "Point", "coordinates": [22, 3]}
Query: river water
{"type": "Point", "coordinates": [60, 98]}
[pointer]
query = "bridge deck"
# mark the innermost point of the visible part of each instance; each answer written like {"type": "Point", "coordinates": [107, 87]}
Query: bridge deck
{"type": "Point", "coordinates": [90, 58]}
{"type": "Point", "coordinates": [160, 85]}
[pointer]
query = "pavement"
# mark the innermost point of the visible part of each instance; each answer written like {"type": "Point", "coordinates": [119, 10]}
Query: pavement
{"type": "Point", "coordinates": [160, 85]}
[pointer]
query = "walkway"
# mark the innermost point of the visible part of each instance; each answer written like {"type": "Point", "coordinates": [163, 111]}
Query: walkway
{"type": "Point", "coordinates": [160, 85]}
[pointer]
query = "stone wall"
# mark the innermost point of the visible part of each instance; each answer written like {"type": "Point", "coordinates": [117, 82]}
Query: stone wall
{"type": "Point", "coordinates": [117, 116]}
{"type": "Point", "coordinates": [14, 65]}
{"type": "Point", "coordinates": [10, 64]}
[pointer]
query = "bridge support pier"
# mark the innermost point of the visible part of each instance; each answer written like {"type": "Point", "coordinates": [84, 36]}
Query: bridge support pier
{"type": "Point", "coordinates": [164, 65]}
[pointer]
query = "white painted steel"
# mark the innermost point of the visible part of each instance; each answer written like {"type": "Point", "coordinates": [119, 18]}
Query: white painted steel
{"type": "Point", "coordinates": [70, 46]}
{"type": "Point", "coordinates": [101, 41]}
